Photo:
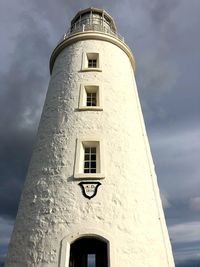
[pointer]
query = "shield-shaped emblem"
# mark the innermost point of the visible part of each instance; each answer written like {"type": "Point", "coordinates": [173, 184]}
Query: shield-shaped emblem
{"type": "Point", "coordinates": [89, 189]}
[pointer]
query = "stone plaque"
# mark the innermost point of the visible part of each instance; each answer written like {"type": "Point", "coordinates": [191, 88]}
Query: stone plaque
{"type": "Point", "coordinates": [89, 189]}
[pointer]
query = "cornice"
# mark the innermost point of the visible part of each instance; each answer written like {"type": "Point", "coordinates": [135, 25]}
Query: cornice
{"type": "Point", "coordinates": [91, 35]}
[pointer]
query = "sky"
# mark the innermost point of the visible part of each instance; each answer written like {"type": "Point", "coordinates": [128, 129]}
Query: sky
{"type": "Point", "coordinates": [164, 36]}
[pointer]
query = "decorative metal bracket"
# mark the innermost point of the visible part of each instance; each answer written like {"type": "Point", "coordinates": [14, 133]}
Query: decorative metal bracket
{"type": "Point", "coordinates": [89, 189]}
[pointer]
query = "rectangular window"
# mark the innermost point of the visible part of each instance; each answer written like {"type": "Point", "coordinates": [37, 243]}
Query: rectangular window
{"type": "Point", "coordinates": [90, 62]}
{"type": "Point", "coordinates": [90, 160]}
{"type": "Point", "coordinates": [90, 97]}
{"type": "Point", "coordinates": [93, 60]}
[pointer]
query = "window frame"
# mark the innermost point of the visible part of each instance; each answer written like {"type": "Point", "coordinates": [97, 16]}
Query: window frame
{"type": "Point", "coordinates": [79, 159]}
{"type": "Point", "coordinates": [86, 56]}
{"type": "Point", "coordinates": [90, 88]}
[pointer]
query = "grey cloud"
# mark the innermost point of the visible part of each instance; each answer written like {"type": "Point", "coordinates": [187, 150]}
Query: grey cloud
{"type": "Point", "coordinates": [163, 68]}
{"type": "Point", "coordinates": [161, 10]}
{"type": "Point", "coordinates": [22, 94]}
{"type": "Point", "coordinates": [187, 254]}
{"type": "Point", "coordinates": [186, 232]}
{"type": "Point", "coordinates": [180, 211]}
{"type": "Point", "coordinates": [176, 154]}
{"type": "Point", "coordinates": [195, 203]}
{"type": "Point", "coordinates": [6, 227]}
{"type": "Point", "coordinates": [165, 201]}
{"type": "Point", "coordinates": [15, 155]}
{"type": "Point", "coordinates": [189, 263]}
{"type": "Point", "coordinates": [183, 225]}
{"type": "Point", "coordinates": [22, 84]}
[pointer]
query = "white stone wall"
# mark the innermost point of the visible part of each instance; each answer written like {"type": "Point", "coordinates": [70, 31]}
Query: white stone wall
{"type": "Point", "coordinates": [127, 208]}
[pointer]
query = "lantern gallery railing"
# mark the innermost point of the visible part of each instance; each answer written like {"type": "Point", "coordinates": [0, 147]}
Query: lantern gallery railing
{"type": "Point", "coordinates": [90, 27]}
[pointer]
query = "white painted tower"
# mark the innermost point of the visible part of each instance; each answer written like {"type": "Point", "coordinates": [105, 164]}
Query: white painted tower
{"type": "Point", "coordinates": [91, 197]}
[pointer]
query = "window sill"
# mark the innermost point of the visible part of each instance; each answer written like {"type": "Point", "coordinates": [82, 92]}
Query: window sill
{"type": "Point", "coordinates": [89, 176]}
{"type": "Point", "coordinates": [92, 108]}
{"type": "Point", "coordinates": [91, 69]}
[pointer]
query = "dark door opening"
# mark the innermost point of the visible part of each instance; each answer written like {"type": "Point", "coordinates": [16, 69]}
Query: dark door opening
{"type": "Point", "coordinates": [88, 252]}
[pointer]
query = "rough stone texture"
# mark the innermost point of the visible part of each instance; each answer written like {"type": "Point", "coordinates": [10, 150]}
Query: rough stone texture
{"type": "Point", "coordinates": [127, 207]}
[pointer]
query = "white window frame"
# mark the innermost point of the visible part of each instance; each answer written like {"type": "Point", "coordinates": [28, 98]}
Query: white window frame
{"type": "Point", "coordinates": [90, 55]}
{"type": "Point", "coordinates": [84, 88]}
{"type": "Point", "coordinates": [79, 160]}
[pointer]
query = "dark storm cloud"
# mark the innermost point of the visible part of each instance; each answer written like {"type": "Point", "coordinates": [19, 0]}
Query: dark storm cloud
{"type": "Point", "coordinates": [15, 155]}
{"type": "Point", "coordinates": [180, 211]}
{"type": "Point", "coordinates": [186, 248]}
{"type": "Point", "coordinates": [184, 229]}
{"type": "Point", "coordinates": [23, 87]}
{"type": "Point", "coordinates": [167, 53]}
{"type": "Point", "coordinates": [189, 263]}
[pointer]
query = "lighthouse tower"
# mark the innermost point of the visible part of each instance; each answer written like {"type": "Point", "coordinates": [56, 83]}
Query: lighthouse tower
{"type": "Point", "coordinates": [91, 197]}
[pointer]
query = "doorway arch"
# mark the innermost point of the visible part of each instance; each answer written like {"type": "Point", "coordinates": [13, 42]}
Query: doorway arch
{"type": "Point", "coordinates": [74, 236]}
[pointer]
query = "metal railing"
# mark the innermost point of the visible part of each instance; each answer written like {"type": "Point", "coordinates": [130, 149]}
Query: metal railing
{"type": "Point", "coordinates": [90, 27]}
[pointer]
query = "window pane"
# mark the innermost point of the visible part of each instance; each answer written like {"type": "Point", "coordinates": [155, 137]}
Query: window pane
{"type": "Point", "coordinates": [86, 165]}
{"type": "Point", "coordinates": [93, 157]}
{"type": "Point", "coordinates": [92, 63]}
{"type": "Point", "coordinates": [93, 102]}
{"type": "Point", "coordinates": [93, 150]}
{"type": "Point", "coordinates": [93, 164]}
{"type": "Point", "coordinates": [87, 157]}
{"type": "Point", "coordinates": [87, 149]}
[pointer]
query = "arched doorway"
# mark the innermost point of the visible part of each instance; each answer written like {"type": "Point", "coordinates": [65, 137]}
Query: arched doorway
{"type": "Point", "coordinates": [88, 252]}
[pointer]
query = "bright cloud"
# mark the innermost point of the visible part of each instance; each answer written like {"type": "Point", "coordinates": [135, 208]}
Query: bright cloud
{"type": "Point", "coordinates": [185, 232]}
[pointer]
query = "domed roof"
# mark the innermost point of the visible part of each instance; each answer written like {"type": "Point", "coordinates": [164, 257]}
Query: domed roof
{"type": "Point", "coordinates": [91, 10]}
